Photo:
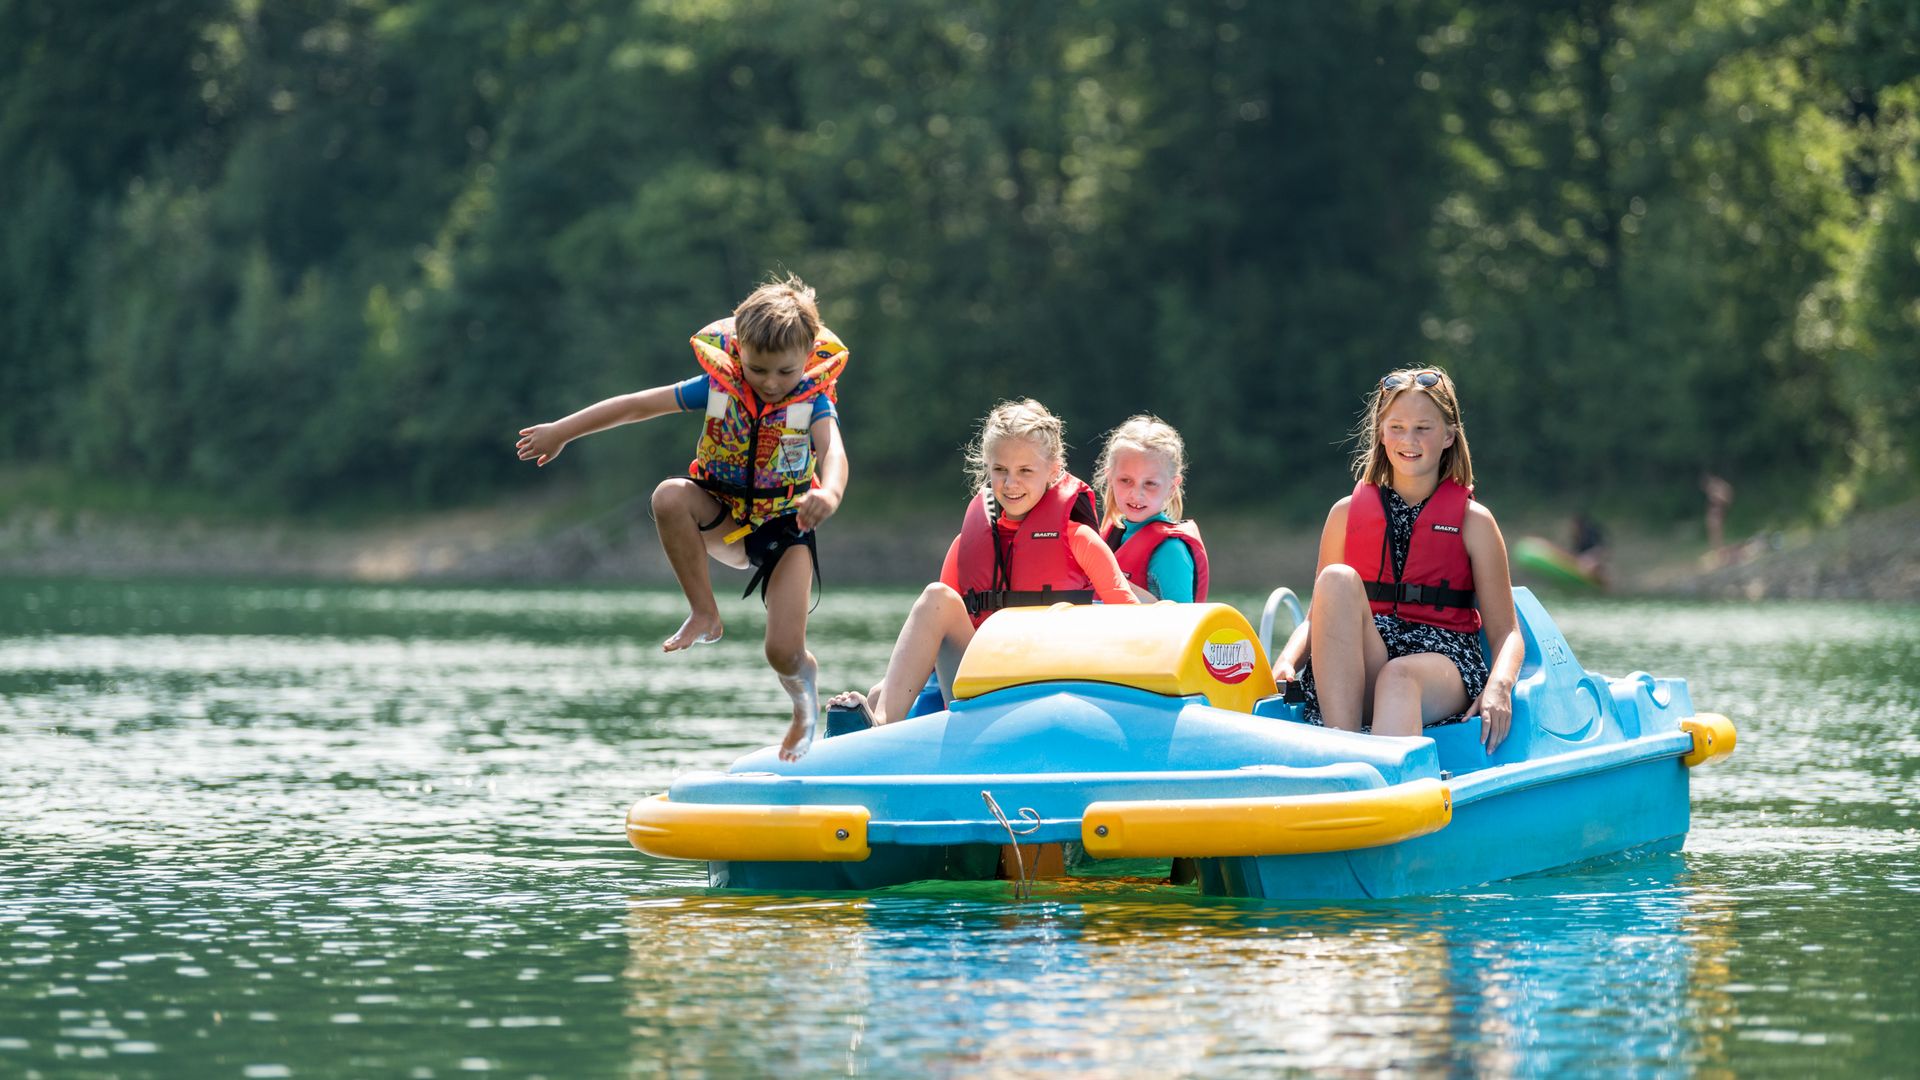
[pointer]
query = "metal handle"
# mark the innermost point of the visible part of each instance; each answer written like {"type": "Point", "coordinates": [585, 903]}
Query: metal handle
{"type": "Point", "coordinates": [1276, 599]}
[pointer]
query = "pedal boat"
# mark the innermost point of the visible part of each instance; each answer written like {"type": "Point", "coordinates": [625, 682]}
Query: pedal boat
{"type": "Point", "coordinates": [1157, 732]}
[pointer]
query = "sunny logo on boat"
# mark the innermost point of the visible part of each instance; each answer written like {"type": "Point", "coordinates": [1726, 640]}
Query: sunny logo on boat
{"type": "Point", "coordinates": [1228, 656]}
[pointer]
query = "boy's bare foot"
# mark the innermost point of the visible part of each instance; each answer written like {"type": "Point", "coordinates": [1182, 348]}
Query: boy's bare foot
{"type": "Point", "coordinates": [806, 706]}
{"type": "Point", "coordinates": [697, 630]}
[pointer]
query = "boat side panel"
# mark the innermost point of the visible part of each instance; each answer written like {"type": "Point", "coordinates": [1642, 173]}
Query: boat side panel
{"type": "Point", "coordinates": [887, 866]}
{"type": "Point", "coordinates": [1526, 831]}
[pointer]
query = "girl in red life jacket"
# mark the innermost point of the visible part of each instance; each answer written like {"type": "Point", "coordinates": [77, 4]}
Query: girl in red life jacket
{"type": "Point", "coordinates": [1140, 476]}
{"type": "Point", "coordinates": [1411, 569]}
{"type": "Point", "coordinates": [1027, 539]}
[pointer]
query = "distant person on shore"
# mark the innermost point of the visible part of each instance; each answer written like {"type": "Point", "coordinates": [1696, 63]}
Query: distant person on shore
{"type": "Point", "coordinates": [1140, 478]}
{"type": "Point", "coordinates": [1587, 542]}
{"type": "Point", "coordinates": [1027, 538]}
{"type": "Point", "coordinates": [1719, 495]}
{"type": "Point", "coordinates": [768, 469]}
{"type": "Point", "coordinates": [1411, 569]}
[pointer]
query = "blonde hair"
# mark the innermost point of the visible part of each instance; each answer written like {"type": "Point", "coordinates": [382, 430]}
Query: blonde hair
{"type": "Point", "coordinates": [1147, 434]}
{"type": "Point", "coordinates": [1370, 462]}
{"type": "Point", "coordinates": [1023, 419]}
{"type": "Point", "coordinates": [778, 317]}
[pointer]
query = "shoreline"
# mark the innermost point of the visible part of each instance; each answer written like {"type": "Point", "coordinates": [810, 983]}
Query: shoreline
{"type": "Point", "coordinates": [1873, 556]}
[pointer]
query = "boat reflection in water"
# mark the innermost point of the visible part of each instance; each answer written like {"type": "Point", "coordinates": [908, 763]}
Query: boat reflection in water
{"type": "Point", "coordinates": [1617, 968]}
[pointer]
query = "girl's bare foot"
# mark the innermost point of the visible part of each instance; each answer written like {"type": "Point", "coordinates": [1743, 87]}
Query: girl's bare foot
{"type": "Point", "coordinates": [847, 699]}
{"type": "Point", "coordinates": [699, 629]}
{"type": "Point", "coordinates": [806, 706]}
{"type": "Point", "coordinates": [854, 699]}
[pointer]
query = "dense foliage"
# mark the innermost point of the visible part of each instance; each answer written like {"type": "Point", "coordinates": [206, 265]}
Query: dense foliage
{"type": "Point", "coordinates": [320, 252]}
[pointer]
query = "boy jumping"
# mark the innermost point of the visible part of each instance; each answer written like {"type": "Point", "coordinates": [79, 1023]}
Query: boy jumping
{"type": "Point", "coordinates": [769, 468]}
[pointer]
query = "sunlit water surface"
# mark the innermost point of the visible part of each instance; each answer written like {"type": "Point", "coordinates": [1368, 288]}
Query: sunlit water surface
{"type": "Point", "coordinates": [290, 832]}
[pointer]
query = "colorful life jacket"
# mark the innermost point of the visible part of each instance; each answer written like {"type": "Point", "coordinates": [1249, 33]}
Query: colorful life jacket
{"type": "Point", "coordinates": [1035, 566]}
{"type": "Point", "coordinates": [1134, 553]}
{"type": "Point", "coordinates": [1436, 587]}
{"type": "Point", "coordinates": [756, 458]}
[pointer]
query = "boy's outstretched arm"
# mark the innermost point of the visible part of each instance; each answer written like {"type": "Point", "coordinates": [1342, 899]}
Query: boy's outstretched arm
{"type": "Point", "coordinates": [542, 443]}
{"type": "Point", "coordinates": [819, 503]}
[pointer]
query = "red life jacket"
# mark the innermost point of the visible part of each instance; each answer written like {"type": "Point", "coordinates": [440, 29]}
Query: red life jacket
{"type": "Point", "coordinates": [1436, 587]}
{"type": "Point", "coordinates": [1138, 549]}
{"type": "Point", "coordinates": [1035, 566]}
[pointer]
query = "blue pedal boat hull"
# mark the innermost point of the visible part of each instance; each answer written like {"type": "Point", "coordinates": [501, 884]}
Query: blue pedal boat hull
{"type": "Point", "coordinates": [1620, 812]}
{"type": "Point", "coordinates": [1267, 806]}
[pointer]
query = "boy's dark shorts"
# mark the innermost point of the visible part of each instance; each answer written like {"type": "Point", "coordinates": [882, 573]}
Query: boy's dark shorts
{"type": "Point", "coordinates": [768, 543]}
{"type": "Point", "coordinates": [773, 539]}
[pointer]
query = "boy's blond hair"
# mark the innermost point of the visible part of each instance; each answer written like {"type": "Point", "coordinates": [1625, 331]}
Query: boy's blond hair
{"type": "Point", "coordinates": [778, 317]}
{"type": "Point", "coordinates": [1147, 434]}
{"type": "Point", "coordinates": [1023, 419]}
{"type": "Point", "coordinates": [1370, 462]}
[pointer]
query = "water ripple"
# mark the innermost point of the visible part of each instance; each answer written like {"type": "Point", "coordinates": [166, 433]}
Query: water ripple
{"type": "Point", "coordinates": [294, 831]}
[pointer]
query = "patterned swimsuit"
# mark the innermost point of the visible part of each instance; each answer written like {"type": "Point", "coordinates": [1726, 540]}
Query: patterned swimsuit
{"type": "Point", "coordinates": [1405, 637]}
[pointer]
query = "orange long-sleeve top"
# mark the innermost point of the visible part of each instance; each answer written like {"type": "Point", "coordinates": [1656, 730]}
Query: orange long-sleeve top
{"type": "Point", "coordinates": [1091, 552]}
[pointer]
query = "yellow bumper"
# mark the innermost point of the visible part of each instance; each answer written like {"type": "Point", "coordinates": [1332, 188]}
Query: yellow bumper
{"type": "Point", "coordinates": [724, 833]}
{"type": "Point", "coordinates": [1713, 738]}
{"type": "Point", "coordinates": [1285, 825]}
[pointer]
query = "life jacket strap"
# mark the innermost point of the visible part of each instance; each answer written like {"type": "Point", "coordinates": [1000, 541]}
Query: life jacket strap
{"type": "Point", "coordinates": [1403, 592]}
{"type": "Point", "coordinates": [981, 601]}
{"type": "Point", "coordinates": [741, 491]}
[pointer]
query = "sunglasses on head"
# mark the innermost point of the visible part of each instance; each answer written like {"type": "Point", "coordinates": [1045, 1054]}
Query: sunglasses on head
{"type": "Point", "coordinates": [1419, 378]}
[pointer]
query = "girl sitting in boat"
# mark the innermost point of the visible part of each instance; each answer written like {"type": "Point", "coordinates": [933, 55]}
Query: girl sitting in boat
{"type": "Point", "coordinates": [1028, 538]}
{"type": "Point", "coordinates": [1411, 569]}
{"type": "Point", "coordinates": [1140, 476]}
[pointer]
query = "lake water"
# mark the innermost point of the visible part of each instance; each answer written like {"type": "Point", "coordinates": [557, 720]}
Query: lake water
{"type": "Point", "coordinates": [278, 831]}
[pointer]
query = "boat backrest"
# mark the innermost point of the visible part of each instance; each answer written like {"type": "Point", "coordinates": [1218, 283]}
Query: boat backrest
{"type": "Point", "coordinates": [1557, 702]}
{"type": "Point", "coordinates": [1179, 650]}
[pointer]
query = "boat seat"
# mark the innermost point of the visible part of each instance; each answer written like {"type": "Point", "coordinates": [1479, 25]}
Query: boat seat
{"type": "Point", "coordinates": [1179, 650]}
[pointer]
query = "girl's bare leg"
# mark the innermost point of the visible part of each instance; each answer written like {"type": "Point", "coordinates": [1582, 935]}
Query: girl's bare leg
{"type": "Point", "coordinates": [1411, 690]}
{"type": "Point", "coordinates": [680, 507]}
{"type": "Point", "coordinates": [934, 638]}
{"type": "Point", "coordinates": [1346, 648]}
{"type": "Point", "coordinates": [788, 590]}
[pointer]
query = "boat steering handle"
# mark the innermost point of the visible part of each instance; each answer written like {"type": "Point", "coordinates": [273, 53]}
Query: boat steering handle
{"type": "Point", "coordinates": [1278, 598]}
